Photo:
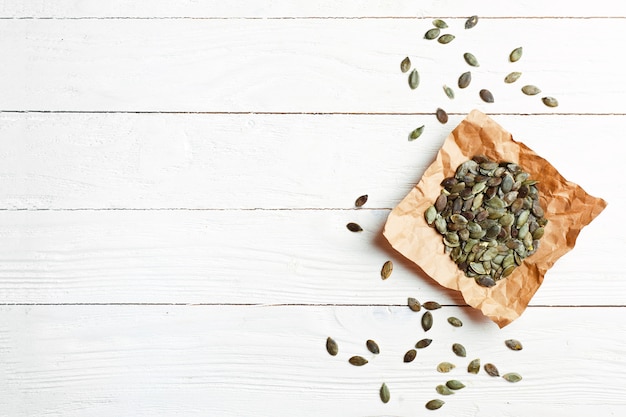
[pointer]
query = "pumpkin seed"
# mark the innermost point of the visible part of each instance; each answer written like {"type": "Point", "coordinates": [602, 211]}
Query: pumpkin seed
{"type": "Point", "coordinates": [416, 133]}
{"type": "Point", "coordinates": [455, 322]}
{"type": "Point", "coordinates": [423, 343]}
{"type": "Point", "coordinates": [361, 201]}
{"type": "Point", "coordinates": [413, 304]}
{"type": "Point", "coordinates": [331, 346]}
{"type": "Point", "coordinates": [357, 360]}
{"type": "Point", "coordinates": [414, 79]}
{"type": "Point", "coordinates": [512, 377]}
{"type": "Point", "coordinates": [474, 366]}
{"type": "Point", "coordinates": [432, 34]}
{"type": "Point", "coordinates": [427, 321]}
{"type": "Point", "coordinates": [455, 385]}
{"type": "Point", "coordinates": [458, 349]}
{"type": "Point", "coordinates": [434, 404]}
{"type": "Point", "coordinates": [386, 270]}
{"type": "Point", "coordinates": [444, 39]}
{"type": "Point", "coordinates": [550, 101]}
{"type": "Point", "coordinates": [491, 369]}
{"type": "Point", "coordinates": [372, 346]}
{"type": "Point", "coordinates": [443, 390]}
{"type": "Point", "coordinates": [512, 77]}
{"type": "Point", "coordinates": [465, 79]}
{"type": "Point", "coordinates": [449, 92]}
{"type": "Point", "coordinates": [530, 90]}
{"type": "Point", "coordinates": [431, 305]}
{"type": "Point", "coordinates": [471, 59]}
{"type": "Point", "coordinates": [486, 96]}
{"type": "Point", "coordinates": [384, 393]}
{"type": "Point", "coordinates": [471, 22]}
{"type": "Point", "coordinates": [354, 227]}
{"type": "Point", "coordinates": [445, 367]}
{"type": "Point", "coordinates": [409, 356]}
{"type": "Point", "coordinates": [513, 344]}
{"type": "Point", "coordinates": [438, 23]}
{"type": "Point", "coordinates": [442, 116]}
{"type": "Point", "coordinates": [515, 54]}
{"type": "Point", "coordinates": [405, 65]}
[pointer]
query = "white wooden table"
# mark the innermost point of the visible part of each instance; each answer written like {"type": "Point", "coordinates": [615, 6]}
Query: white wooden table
{"type": "Point", "coordinates": [175, 180]}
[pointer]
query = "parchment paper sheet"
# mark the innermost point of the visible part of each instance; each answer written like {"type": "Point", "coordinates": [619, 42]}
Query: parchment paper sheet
{"type": "Point", "coordinates": [567, 207]}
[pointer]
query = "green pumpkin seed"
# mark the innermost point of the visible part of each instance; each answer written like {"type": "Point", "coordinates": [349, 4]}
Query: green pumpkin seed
{"type": "Point", "coordinates": [513, 344]}
{"type": "Point", "coordinates": [445, 367]}
{"type": "Point", "coordinates": [491, 369]}
{"type": "Point", "coordinates": [512, 377]}
{"type": "Point", "coordinates": [474, 366]}
{"type": "Point", "coordinates": [423, 343]}
{"type": "Point", "coordinates": [455, 385]}
{"type": "Point", "coordinates": [434, 404]}
{"type": "Point", "coordinates": [359, 202]}
{"type": "Point", "coordinates": [405, 65]}
{"type": "Point", "coordinates": [471, 59]}
{"type": "Point", "coordinates": [413, 304]}
{"type": "Point", "coordinates": [443, 390]}
{"type": "Point", "coordinates": [431, 305]}
{"type": "Point", "coordinates": [442, 116]}
{"type": "Point", "coordinates": [459, 350]}
{"type": "Point", "coordinates": [449, 92]}
{"type": "Point", "coordinates": [354, 227]}
{"type": "Point", "coordinates": [427, 321]}
{"type": "Point", "coordinates": [384, 393]}
{"type": "Point", "coordinates": [444, 39]}
{"type": "Point", "coordinates": [372, 346]}
{"type": "Point", "coordinates": [512, 77]}
{"type": "Point", "coordinates": [465, 79]}
{"type": "Point", "coordinates": [414, 79]}
{"type": "Point", "coordinates": [471, 22]}
{"type": "Point", "coordinates": [409, 356]}
{"type": "Point", "coordinates": [357, 360]}
{"type": "Point", "coordinates": [455, 322]}
{"type": "Point", "coordinates": [486, 96]}
{"type": "Point", "coordinates": [550, 101]}
{"type": "Point", "coordinates": [430, 215]}
{"type": "Point", "coordinates": [438, 23]}
{"type": "Point", "coordinates": [530, 90]}
{"type": "Point", "coordinates": [386, 270]}
{"type": "Point", "coordinates": [416, 133]}
{"type": "Point", "coordinates": [331, 346]}
{"type": "Point", "coordinates": [515, 54]}
{"type": "Point", "coordinates": [432, 34]}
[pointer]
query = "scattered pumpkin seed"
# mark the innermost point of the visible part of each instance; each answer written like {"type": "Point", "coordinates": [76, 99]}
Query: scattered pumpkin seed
{"type": "Point", "coordinates": [432, 34]}
{"type": "Point", "coordinates": [416, 133]}
{"type": "Point", "coordinates": [455, 322]}
{"type": "Point", "coordinates": [423, 343]}
{"type": "Point", "coordinates": [438, 23]}
{"type": "Point", "coordinates": [413, 304]}
{"type": "Point", "coordinates": [513, 344]}
{"type": "Point", "coordinates": [459, 350]}
{"type": "Point", "coordinates": [445, 367]}
{"type": "Point", "coordinates": [361, 201]}
{"type": "Point", "coordinates": [512, 377]}
{"type": "Point", "coordinates": [442, 116]}
{"type": "Point", "coordinates": [515, 54]}
{"type": "Point", "coordinates": [357, 360]}
{"type": "Point", "coordinates": [444, 39]}
{"type": "Point", "coordinates": [434, 404]}
{"type": "Point", "coordinates": [455, 385]}
{"type": "Point", "coordinates": [384, 393]}
{"type": "Point", "coordinates": [414, 79]}
{"type": "Point", "coordinates": [471, 22]}
{"type": "Point", "coordinates": [471, 59]}
{"type": "Point", "coordinates": [530, 90]}
{"type": "Point", "coordinates": [372, 346]}
{"type": "Point", "coordinates": [486, 96]}
{"type": "Point", "coordinates": [550, 101]}
{"type": "Point", "coordinates": [465, 79]}
{"type": "Point", "coordinates": [431, 305]}
{"type": "Point", "coordinates": [474, 366]}
{"type": "Point", "coordinates": [443, 390]}
{"type": "Point", "coordinates": [449, 92]}
{"type": "Point", "coordinates": [353, 227]}
{"type": "Point", "coordinates": [512, 77]}
{"type": "Point", "coordinates": [386, 270]}
{"type": "Point", "coordinates": [427, 321]}
{"type": "Point", "coordinates": [331, 346]}
{"type": "Point", "coordinates": [491, 369]}
{"type": "Point", "coordinates": [409, 356]}
{"type": "Point", "coordinates": [405, 65]}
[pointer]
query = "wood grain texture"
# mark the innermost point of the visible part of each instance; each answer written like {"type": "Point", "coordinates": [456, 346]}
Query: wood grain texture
{"type": "Point", "coordinates": [235, 361]}
{"type": "Point", "coordinates": [306, 66]}
{"type": "Point", "coordinates": [321, 8]}
{"type": "Point", "coordinates": [266, 257]}
{"type": "Point", "coordinates": [225, 161]}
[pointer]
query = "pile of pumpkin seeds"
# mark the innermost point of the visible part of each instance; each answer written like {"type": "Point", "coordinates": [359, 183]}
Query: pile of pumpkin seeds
{"type": "Point", "coordinates": [490, 218]}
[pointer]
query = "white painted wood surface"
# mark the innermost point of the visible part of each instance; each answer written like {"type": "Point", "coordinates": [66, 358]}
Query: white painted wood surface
{"type": "Point", "coordinates": [175, 180]}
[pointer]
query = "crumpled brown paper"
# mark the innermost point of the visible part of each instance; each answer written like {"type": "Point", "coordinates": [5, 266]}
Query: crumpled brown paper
{"type": "Point", "coordinates": [567, 207]}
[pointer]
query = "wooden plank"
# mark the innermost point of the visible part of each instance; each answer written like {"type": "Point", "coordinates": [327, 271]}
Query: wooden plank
{"type": "Point", "coordinates": [271, 361]}
{"type": "Point", "coordinates": [314, 65]}
{"type": "Point", "coordinates": [321, 8]}
{"type": "Point", "coordinates": [225, 161]}
{"type": "Point", "coordinates": [252, 257]}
